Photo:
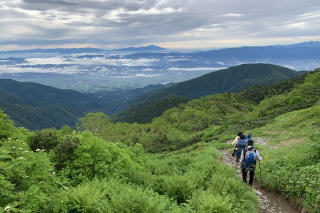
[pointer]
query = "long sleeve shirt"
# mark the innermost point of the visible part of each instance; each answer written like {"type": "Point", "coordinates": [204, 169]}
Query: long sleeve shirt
{"type": "Point", "coordinates": [257, 156]}
{"type": "Point", "coordinates": [235, 140]}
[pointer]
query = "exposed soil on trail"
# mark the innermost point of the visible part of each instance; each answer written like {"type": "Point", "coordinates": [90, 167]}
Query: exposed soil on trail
{"type": "Point", "coordinates": [262, 141]}
{"type": "Point", "coordinates": [270, 202]}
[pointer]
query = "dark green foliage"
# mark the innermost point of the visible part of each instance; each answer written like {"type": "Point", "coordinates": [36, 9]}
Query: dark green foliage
{"type": "Point", "coordinates": [45, 139]}
{"type": "Point", "coordinates": [145, 111]}
{"type": "Point", "coordinates": [64, 151]}
{"type": "Point", "coordinates": [36, 106]}
{"type": "Point", "coordinates": [34, 92]}
{"type": "Point", "coordinates": [256, 94]}
{"type": "Point", "coordinates": [302, 96]}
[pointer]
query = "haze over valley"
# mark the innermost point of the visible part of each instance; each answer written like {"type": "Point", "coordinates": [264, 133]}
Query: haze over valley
{"type": "Point", "coordinates": [92, 70]}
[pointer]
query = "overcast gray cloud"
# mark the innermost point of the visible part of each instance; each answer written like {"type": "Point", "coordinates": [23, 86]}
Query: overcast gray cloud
{"type": "Point", "coordinates": [171, 23]}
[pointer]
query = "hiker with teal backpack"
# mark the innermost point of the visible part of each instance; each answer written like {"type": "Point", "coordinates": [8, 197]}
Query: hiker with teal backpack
{"type": "Point", "coordinates": [240, 146]}
{"type": "Point", "coordinates": [248, 160]}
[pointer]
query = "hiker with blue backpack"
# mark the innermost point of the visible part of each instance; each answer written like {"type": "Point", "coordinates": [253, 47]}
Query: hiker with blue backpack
{"type": "Point", "coordinates": [248, 160]}
{"type": "Point", "coordinates": [248, 137]}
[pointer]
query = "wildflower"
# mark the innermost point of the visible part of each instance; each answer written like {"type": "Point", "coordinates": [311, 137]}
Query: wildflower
{"type": "Point", "coordinates": [7, 208]}
{"type": "Point", "coordinates": [9, 138]}
{"type": "Point", "coordinates": [43, 150]}
{"type": "Point", "coordinates": [38, 150]}
{"type": "Point", "coordinates": [20, 148]}
{"type": "Point", "coordinates": [21, 158]}
{"type": "Point", "coordinates": [26, 151]}
{"type": "Point", "coordinates": [54, 173]}
{"type": "Point", "coordinates": [13, 147]}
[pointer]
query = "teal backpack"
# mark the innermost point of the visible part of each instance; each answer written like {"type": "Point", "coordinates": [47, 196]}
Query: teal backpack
{"type": "Point", "coordinates": [241, 145]}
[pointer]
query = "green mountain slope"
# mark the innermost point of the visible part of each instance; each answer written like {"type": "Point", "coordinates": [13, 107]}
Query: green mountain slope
{"type": "Point", "coordinates": [104, 168]}
{"type": "Point", "coordinates": [36, 106]}
{"type": "Point", "coordinates": [233, 79]}
{"type": "Point", "coordinates": [145, 111]}
{"type": "Point", "coordinates": [38, 93]}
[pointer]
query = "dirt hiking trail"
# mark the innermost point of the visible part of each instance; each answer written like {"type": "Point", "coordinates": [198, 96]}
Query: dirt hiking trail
{"type": "Point", "coordinates": [270, 202]}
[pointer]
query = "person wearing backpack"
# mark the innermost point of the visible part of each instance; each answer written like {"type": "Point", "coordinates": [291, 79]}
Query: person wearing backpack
{"type": "Point", "coordinates": [248, 137]}
{"type": "Point", "coordinates": [248, 160]}
{"type": "Point", "coordinates": [237, 138]}
{"type": "Point", "coordinates": [240, 146]}
{"type": "Point", "coordinates": [235, 142]}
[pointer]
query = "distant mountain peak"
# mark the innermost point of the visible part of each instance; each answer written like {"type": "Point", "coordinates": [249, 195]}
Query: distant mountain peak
{"type": "Point", "coordinates": [142, 48]}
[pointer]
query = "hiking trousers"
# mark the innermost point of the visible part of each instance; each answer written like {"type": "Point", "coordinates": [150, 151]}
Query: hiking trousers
{"type": "Point", "coordinates": [244, 175]}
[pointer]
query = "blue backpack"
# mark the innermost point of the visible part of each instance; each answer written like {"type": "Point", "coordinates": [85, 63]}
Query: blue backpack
{"type": "Point", "coordinates": [249, 162]}
{"type": "Point", "coordinates": [247, 137]}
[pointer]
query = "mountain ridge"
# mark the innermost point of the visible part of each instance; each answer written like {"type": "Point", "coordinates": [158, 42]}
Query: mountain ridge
{"type": "Point", "coordinates": [233, 79]}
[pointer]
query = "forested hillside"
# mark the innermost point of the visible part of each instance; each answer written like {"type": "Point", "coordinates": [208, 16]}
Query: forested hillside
{"type": "Point", "coordinates": [109, 167]}
{"type": "Point", "coordinates": [36, 106]}
{"type": "Point", "coordinates": [233, 79]}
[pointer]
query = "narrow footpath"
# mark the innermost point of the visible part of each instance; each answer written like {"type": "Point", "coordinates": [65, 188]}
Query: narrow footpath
{"type": "Point", "coordinates": [270, 202]}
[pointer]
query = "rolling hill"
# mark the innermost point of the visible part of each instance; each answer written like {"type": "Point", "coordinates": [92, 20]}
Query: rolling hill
{"type": "Point", "coordinates": [233, 79]}
{"type": "Point", "coordinates": [36, 106]}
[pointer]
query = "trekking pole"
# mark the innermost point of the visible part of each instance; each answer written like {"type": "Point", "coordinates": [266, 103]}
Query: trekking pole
{"type": "Point", "coordinates": [260, 174]}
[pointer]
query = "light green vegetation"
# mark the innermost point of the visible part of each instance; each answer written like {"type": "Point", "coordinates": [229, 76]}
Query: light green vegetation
{"type": "Point", "coordinates": [294, 168]}
{"type": "Point", "coordinates": [61, 171]}
{"type": "Point", "coordinates": [104, 167]}
{"type": "Point", "coordinates": [291, 128]}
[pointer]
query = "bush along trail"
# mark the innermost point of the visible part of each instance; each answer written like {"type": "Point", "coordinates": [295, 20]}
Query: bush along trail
{"type": "Point", "coordinates": [270, 202]}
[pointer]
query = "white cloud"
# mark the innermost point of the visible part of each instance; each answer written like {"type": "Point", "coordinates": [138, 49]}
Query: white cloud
{"type": "Point", "coordinates": [50, 60]}
{"type": "Point", "coordinates": [126, 23]}
{"type": "Point", "coordinates": [233, 15]}
{"type": "Point", "coordinates": [99, 60]}
{"type": "Point", "coordinates": [4, 69]}
{"type": "Point", "coordinates": [147, 75]}
{"type": "Point", "coordinates": [191, 69]}
{"type": "Point", "coordinates": [297, 25]}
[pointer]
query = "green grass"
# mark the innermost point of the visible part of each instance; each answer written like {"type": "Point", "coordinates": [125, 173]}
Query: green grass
{"type": "Point", "coordinates": [293, 169]}
{"type": "Point", "coordinates": [291, 128]}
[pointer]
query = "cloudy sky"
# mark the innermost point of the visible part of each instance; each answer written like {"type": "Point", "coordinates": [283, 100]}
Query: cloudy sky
{"type": "Point", "coordinates": [28, 24]}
